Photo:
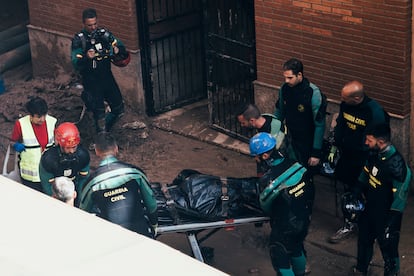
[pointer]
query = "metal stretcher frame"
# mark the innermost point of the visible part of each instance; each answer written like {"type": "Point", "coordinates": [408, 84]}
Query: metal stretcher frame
{"type": "Point", "coordinates": [192, 229]}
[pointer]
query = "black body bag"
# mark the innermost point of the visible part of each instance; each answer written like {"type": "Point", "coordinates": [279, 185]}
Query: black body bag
{"type": "Point", "coordinates": [196, 197]}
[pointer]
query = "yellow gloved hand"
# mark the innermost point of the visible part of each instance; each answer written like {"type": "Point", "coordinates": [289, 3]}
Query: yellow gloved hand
{"type": "Point", "coordinates": [331, 155]}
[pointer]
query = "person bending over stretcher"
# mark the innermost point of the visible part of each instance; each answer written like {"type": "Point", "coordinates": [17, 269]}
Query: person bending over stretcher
{"type": "Point", "coordinates": [120, 192]}
{"type": "Point", "coordinates": [287, 195]}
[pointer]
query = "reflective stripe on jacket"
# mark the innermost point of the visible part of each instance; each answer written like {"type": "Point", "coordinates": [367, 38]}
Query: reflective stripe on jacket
{"type": "Point", "coordinates": [30, 157]}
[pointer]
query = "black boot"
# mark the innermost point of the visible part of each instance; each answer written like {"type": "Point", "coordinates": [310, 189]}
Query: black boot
{"type": "Point", "coordinates": [390, 268]}
{"type": "Point", "coordinates": [100, 125]}
{"type": "Point", "coordinates": [110, 120]}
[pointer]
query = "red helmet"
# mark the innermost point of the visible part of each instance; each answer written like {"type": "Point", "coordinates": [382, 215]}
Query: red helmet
{"type": "Point", "coordinates": [122, 62]}
{"type": "Point", "coordinates": [67, 135]}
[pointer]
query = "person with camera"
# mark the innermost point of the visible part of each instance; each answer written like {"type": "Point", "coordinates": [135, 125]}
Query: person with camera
{"type": "Point", "coordinates": [93, 51]}
{"type": "Point", "coordinates": [67, 158]}
{"type": "Point", "coordinates": [384, 184]}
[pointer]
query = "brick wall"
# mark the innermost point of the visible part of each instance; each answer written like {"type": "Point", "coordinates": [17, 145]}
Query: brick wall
{"type": "Point", "coordinates": [339, 41]}
{"type": "Point", "coordinates": [66, 17]}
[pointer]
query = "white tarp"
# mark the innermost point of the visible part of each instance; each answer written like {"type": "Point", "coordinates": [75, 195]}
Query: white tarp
{"type": "Point", "coordinates": [40, 235]}
{"type": "Point", "coordinates": [13, 174]}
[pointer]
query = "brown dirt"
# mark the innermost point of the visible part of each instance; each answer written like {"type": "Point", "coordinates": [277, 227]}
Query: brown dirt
{"type": "Point", "coordinates": [161, 154]}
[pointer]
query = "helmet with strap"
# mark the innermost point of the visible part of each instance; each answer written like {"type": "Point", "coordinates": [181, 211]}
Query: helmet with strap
{"type": "Point", "coordinates": [67, 135]}
{"type": "Point", "coordinates": [121, 61]}
{"type": "Point", "coordinates": [260, 143]}
{"type": "Point", "coordinates": [352, 206]}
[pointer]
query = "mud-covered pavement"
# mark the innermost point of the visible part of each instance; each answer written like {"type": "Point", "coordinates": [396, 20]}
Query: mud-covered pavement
{"type": "Point", "coordinates": [154, 145]}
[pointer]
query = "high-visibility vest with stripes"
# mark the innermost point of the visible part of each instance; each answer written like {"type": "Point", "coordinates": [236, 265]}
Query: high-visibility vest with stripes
{"type": "Point", "coordinates": [30, 157]}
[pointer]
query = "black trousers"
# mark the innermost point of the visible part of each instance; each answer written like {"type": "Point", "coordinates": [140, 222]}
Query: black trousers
{"type": "Point", "coordinates": [97, 92]}
{"type": "Point", "coordinates": [286, 242]}
{"type": "Point", "coordinates": [34, 185]}
{"type": "Point", "coordinates": [371, 227]}
{"type": "Point", "coordinates": [350, 166]}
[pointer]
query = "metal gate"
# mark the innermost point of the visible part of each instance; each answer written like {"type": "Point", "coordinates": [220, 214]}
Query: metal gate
{"type": "Point", "coordinates": [173, 55]}
{"type": "Point", "coordinates": [231, 61]}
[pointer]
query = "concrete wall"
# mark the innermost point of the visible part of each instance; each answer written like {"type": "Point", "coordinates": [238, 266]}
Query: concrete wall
{"type": "Point", "coordinates": [50, 52]}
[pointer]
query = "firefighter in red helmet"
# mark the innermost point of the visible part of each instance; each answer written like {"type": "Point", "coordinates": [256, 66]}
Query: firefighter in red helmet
{"type": "Point", "coordinates": [67, 158]}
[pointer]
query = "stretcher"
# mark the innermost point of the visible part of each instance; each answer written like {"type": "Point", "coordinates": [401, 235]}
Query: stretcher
{"type": "Point", "coordinates": [196, 202]}
{"type": "Point", "coordinates": [191, 230]}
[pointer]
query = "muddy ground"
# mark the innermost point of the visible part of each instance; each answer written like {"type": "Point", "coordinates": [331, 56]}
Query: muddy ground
{"type": "Point", "coordinates": [163, 154]}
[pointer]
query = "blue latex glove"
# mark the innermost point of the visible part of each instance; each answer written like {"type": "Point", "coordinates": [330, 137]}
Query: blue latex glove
{"type": "Point", "coordinates": [19, 147]}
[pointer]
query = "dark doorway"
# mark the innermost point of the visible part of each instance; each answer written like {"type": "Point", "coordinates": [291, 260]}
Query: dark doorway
{"type": "Point", "coordinates": [172, 53]}
{"type": "Point", "coordinates": [231, 62]}
{"type": "Point", "coordinates": [197, 49]}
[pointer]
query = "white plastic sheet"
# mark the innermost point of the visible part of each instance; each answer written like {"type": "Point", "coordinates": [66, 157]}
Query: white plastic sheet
{"type": "Point", "coordinates": [15, 173]}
